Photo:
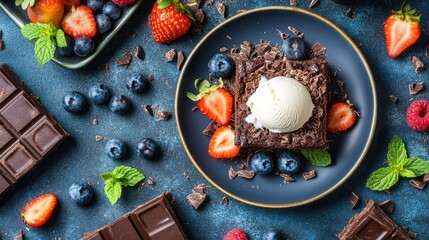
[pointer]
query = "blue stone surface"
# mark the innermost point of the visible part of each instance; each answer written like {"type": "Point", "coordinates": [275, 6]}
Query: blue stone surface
{"type": "Point", "coordinates": [81, 157]}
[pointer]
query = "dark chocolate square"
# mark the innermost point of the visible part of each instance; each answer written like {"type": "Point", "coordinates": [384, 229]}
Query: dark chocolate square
{"type": "Point", "coordinates": [6, 87]}
{"type": "Point", "coordinates": [377, 230]}
{"type": "Point", "coordinates": [17, 160]}
{"type": "Point", "coordinates": [4, 185]}
{"type": "Point", "coordinates": [5, 137]}
{"type": "Point", "coordinates": [20, 112]}
{"type": "Point", "coordinates": [42, 136]}
{"type": "Point", "coordinates": [121, 229]}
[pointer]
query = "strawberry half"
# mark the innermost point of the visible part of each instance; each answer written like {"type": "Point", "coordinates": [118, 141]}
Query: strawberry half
{"type": "Point", "coordinates": [341, 116]}
{"type": "Point", "coordinates": [222, 144]}
{"type": "Point", "coordinates": [402, 29]}
{"type": "Point", "coordinates": [38, 211]}
{"type": "Point", "coordinates": [80, 22]}
{"type": "Point", "coordinates": [213, 101]}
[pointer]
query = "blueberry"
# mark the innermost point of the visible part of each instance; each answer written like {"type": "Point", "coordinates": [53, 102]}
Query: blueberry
{"type": "Point", "coordinates": [262, 163]}
{"type": "Point", "coordinates": [98, 93]}
{"type": "Point", "coordinates": [83, 46]}
{"type": "Point", "coordinates": [81, 193]}
{"type": "Point", "coordinates": [288, 162]}
{"type": "Point", "coordinates": [112, 10]}
{"type": "Point", "coordinates": [272, 235]}
{"type": "Point", "coordinates": [95, 5]}
{"type": "Point", "coordinates": [220, 65]}
{"type": "Point", "coordinates": [136, 82]}
{"type": "Point", "coordinates": [115, 149]}
{"type": "Point", "coordinates": [69, 49]}
{"type": "Point", "coordinates": [74, 102]}
{"type": "Point", "coordinates": [148, 149]}
{"type": "Point", "coordinates": [294, 48]}
{"type": "Point", "coordinates": [103, 23]}
{"type": "Point", "coordinates": [119, 104]}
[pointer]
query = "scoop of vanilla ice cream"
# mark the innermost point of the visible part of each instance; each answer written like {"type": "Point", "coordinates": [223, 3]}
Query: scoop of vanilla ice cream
{"type": "Point", "coordinates": [280, 104]}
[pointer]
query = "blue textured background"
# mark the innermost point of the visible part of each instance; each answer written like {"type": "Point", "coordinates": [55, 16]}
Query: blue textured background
{"type": "Point", "coordinates": [81, 157]}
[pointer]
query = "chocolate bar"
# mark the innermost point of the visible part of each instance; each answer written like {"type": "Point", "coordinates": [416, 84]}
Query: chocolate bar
{"type": "Point", "coordinates": [154, 220]}
{"type": "Point", "coordinates": [28, 133]}
{"type": "Point", "coordinates": [372, 223]}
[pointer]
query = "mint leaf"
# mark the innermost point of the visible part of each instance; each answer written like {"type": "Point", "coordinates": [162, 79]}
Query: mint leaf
{"type": "Point", "coordinates": [108, 175]}
{"type": "Point", "coordinates": [113, 190]}
{"type": "Point", "coordinates": [317, 157]}
{"type": "Point", "coordinates": [414, 167]}
{"type": "Point", "coordinates": [382, 179]}
{"type": "Point", "coordinates": [396, 152]}
{"type": "Point", "coordinates": [129, 176]}
{"type": "Point", "coordinates": [32, 31]}
{"type": "Point", "coordinates": [44, 49]}
{"type": "Point", "coordinates": [61, 38]}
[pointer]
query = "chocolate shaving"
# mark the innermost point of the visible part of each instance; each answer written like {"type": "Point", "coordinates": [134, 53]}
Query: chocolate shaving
{"type": "Point", "coordinates": [393, 98]}
{"type": "Point", "coordinates": [249, 174]}
{"type": "Point", "coordinates": [139, 52]}
{"type": "Point", "coordinates": [224, 201]}
{"type": "Point", "coordinates": [20, 236]}
{"type": "Point", "coordinates": [151, 181]}
{"type": "Point", "coordinates": [309, 175]}
{"type": "Point", "coordinates": [2, 45]}
{"type": "Point", "coordinates": [412, 234]}
{"type": "Point", "coordinates": [286, 178]}
{"type": "Point", "coordinates": [223, 49]}
{"type": "Point", "coordinates": [185, 174]}
{"type": "Point", "coordinates": [294, 30]}
{"type": "Point", "coordinates": [147, 109]}
{"type": "Point", "coordinates": [151, 77]}
{"type": "Point", "coordinates": [427, 52]}
{"type": "Point", "coordinates": [417, 184]}
{"type": "Point", "coordinates": [387, 206]}
{"type": "Point", "coordinates": [220, 6]}
{"type": "Point", "coordinates": [232, 173]}
{"type": "Point", "coordinates": [340, 84]}
{"type": "Point", "coordinates": [301, 35]}
{"type": "Point", "coordinates": [240, 166]}
{"type": "Point", "coordinates": [350, 13]}
{"type": "Point", "coordinates": [125, 60]}
{"type": "Point", "coordinates": [293, 3]}
{"type": "Point", "coordinates": [209, 3]}
{"type": "Point", "coordinates": [94, 121]}
{"type": "Point", "coordinates": [228, 37]}
{"type": "Point", "coordinates": [354, 200]}
{"type": "Point", "coordinates": [417, 64]}
{"type": "Point", "coordinates": [283, 35]}
{"type": "Point", "coordinates": [198, 195]}
{"type": "Point", "coordinates": [313, 3]}
{"type": "Point", "coordinates": [180, 60]}
{"type": "Point", "coordinates": [199, 16]}
{"type": "Point", "coordinates": [426, 178]}
{"type": "Point", "coordinates": [194, 109]}
{"type": "Point", "coordinates": [241, 11]}
{"type": "Point", "coordinates": [163, 115]}
{"type": "Point", "coordinates": [416, 87]}
{"type": "Point", "coordinates": [170, 55]}
{"type": "Point", "coordinates": [98, 138]}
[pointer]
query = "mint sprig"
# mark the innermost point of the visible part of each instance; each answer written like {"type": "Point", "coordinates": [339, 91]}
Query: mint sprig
{"type": "Point", "coordinates": [47, 37]}
{"type": "Point", "coordinates": [317, 157]}
{"type": "Point", "coordinates": [399, 165]}
{"type": "Point", "coordinates": [121, 176]}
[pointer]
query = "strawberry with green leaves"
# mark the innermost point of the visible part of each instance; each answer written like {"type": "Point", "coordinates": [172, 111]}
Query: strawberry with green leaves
{"type": "Point", "coordinates": [169, 20]}
{"type": "Point", "coordinates": [214, 101]}
{"type": "Point", "coordinates": [402, 29]}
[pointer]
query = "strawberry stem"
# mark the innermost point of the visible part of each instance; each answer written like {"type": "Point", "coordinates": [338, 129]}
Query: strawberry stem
{"type": "Point", "coordinates": [407, 14]}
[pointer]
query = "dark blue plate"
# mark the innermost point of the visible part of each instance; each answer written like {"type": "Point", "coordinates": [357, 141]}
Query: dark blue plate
{"type": "Point", "coordinates": [347, 150]}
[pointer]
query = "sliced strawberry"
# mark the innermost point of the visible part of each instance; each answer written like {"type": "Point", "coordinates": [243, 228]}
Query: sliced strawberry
{"type": "Point", "coordinates": [222, 144]}
{"type": "Point", "coordinates": [341, 116]}
{"type": "Point", "coordinates": [38, 211]}
{"type": "Point", "coordinates": [80, 22]}
{"type": "Point", "coordinates": [402, 29]}
{"type": "Point", "coordinates": [213, 101]}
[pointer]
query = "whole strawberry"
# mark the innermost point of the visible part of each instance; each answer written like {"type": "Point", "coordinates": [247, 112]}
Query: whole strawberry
{"type": "Point", "coordinates": [46, 11]}
{"type": "Point", "coordinates": [123, 2]}
{"type": "Point", "coordinates": [169, 20]}
{"type": "Point", "coordinates": [236, 234]}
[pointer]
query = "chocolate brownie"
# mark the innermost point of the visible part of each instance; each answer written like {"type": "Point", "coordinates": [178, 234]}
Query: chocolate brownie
{"type": "Point", "coordinates": [311, 73]}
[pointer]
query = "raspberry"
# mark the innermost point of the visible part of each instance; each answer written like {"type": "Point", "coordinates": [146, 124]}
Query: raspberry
{"type": "Point", "coordinates": [236, 234]}
{"type": "Point", "coordinates": [123, 2]}
{"type": "Point", "coordinates": [418, 115]}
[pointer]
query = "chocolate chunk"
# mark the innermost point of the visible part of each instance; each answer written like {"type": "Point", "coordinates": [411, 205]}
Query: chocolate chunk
{"type": "Point", "coordinates": [372, 223]}
{"type": "Point", "coordinates": [387, 206]}
{"type": "Point", "coordinates": [139, 52]}
{"type": "Point", "coordinates": [313, 3]}
{"type": "Point", "coordinates": [151, 77]}
{"type": "Point", "coordinates": [293, 3]}
{"type": "Point", "coordinates": [412, 234]}
{"type": "Point", "coordinates": [350, 13]}
{"type": "Point", "coordinates": [286, 178]}
{"type": "Point", "coordinates": [199, 16]}
{"type": "Point", "coordinates": [154, 220]}
{"type": "Point", "coordinates": [426, 178]}
{"type": "Point", "coordinates": [225, 201]}
{"type": "Point", "coordinates": [318, 50]}
{"type": "Point", "coordinates": [393, 98]}
{"type": "Point", "coordinates": [232, 173]}
{"type": "Point", "coordinates": [417, 184]}
{"type": "Point", "coordinates": [148, 110]}
{"type": "Point", "coordinates": [249, 174]}
{"type": "Point", "coordinates": [427, 52]}
{"type": "Point", "coordinates": [418, 64]}
{"type": "Point", "coordinates": [163, 115]}
{"type": "Point", "coordinates": [197, 29]}
{"type": "Point", "coordinates": [416, 87]}
{"type": "Point", "coordinates": [220, 6]}
{"type": "Point", "coordinates": [198, 195]}
{"type": "Point", "coordinates": [294, 30]}
{"type": "Point", "coordinates": [180, 60]}
{"type": "Point", "coordinates": [309, 175]}
{"type": "Point", "coordinates": [151, 181]}
{"type": "Point", "coordinates": [125, 59]}
{"type": "Point", "coordinates": [2, 45]}
{"type": "Point", "coordinates": [354, 200]}
{"type": "Point", "coordinates": [20, 236]}
{"type": "Point", "coordinates": [210, 129]}
{"type": "Point", "coordinates": [170, 55]}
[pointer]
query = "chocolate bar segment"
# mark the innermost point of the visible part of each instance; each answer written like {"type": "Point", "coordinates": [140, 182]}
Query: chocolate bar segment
{"type": "Point", "coordinates": [372, 223]}
{"type": "Point", "coordinates": [154, 220]}
{"type": "Point", "coordinates": [28, 133]}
